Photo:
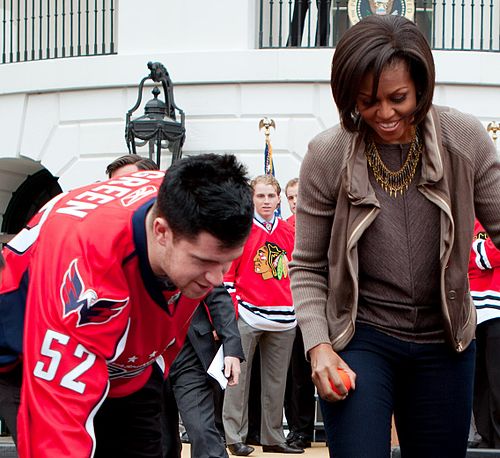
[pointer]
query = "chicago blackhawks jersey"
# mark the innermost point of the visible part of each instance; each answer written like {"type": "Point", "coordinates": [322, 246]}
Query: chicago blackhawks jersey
{"type": "Point", "coordinates": [484, 275]}
{"type": "Point", "coordinates": [96, 317]}
{"type": "Point", "coordinates": [258, 280]}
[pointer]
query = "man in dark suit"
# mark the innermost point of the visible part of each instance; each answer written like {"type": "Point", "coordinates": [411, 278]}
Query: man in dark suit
{"type": "Point", "coordinates": [299, 17]}
{"type": "Point", "coordinates": [198, 396]}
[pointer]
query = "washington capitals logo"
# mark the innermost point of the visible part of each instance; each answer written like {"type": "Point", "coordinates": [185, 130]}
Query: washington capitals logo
{"type": "Point", "coordinates": [85, 303]}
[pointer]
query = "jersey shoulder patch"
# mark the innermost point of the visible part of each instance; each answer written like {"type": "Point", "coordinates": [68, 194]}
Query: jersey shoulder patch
{"type": "Point", "coordinates": [85, 302]}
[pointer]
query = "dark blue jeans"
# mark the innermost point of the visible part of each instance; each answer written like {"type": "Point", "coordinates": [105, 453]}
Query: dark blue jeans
{"type": "Point", "coordinates": [428, 387]}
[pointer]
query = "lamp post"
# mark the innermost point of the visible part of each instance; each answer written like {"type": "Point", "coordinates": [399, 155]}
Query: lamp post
{"type": "Point", "coordinates": [158, 127]}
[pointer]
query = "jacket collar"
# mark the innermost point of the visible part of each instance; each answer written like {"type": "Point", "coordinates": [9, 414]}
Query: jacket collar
{"type": "Point", "coordinates": [355, 175]}
{"type": "Point", "coordinates": [432, 159]}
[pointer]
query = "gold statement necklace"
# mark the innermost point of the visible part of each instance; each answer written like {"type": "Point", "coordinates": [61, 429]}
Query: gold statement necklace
{"type": "Point", "coordinates": [393, 182]}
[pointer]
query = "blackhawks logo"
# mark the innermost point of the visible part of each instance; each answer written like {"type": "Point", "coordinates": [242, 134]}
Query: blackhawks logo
{"type": "Point", "coordinates": [271, 262]}
{"type": "Point", "coordinates": [359, 9]}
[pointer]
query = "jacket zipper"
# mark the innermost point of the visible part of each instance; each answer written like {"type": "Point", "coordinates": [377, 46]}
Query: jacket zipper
{"type": "Point", "coordinates": [441, 203]}
{"type": "Point", "coordinates": [349, 241]}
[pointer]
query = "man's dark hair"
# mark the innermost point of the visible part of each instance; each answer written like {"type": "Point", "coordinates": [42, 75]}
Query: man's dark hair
{"type": "Point", "coordinates": [142, 163]}
{"type": "Point", "coordinates": [372, 45]}
{"type": "Point", "coordinates": [292, 182]}
{"type": "Point", "coordinates": [147, 164]}
{"type": "Point", "coordinates": [122, 161]}
{"type": "Point", "coordinates": [207, 193]}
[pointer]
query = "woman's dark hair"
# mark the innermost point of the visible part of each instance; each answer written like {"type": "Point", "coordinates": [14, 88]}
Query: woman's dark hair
{"type": "Point", "coordinates": [370, 46]}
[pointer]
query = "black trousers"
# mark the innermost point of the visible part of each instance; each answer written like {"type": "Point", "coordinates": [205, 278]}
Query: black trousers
{"type": "Point", "coordinates": [171, 440]}
{"type": "Point", "coordinates": [130, 427]}
{"type": "Point", "coordinates": [300, 404]}
{"type": "Point", "coordinates": [298, 19]}
{"type": "Point", "coordinates": [254, 408]}
{"type": "Point", "coordinates": [487, 383]}
{"type": "Point", "coordinates": [10, 395]}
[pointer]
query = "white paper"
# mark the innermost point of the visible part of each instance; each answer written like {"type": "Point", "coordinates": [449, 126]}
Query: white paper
{"type": "Point", "coordinates": [216, 368]}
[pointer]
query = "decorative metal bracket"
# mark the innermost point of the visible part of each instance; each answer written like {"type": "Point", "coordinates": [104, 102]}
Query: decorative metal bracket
{"type": "Point", "coordinates": [267, 123]}
{"type": "Point", "coordinates": [493, 128]}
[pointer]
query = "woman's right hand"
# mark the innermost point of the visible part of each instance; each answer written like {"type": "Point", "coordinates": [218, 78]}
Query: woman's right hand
{"type": "Point", "coordinates": [325, 364]}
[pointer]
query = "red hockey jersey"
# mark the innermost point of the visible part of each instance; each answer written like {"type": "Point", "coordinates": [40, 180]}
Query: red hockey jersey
{"type": "Point", "coordinates": [484, 275]}
{"type": "Point", "coordinates": [96, 316]}
{"type": "Point", "coordinates": [258, 280]}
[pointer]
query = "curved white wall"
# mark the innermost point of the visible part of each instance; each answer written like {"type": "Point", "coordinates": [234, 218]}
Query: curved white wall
{"type": "Point", "coordinates": [69, 114]}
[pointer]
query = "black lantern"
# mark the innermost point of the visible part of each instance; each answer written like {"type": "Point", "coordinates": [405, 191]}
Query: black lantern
{"type": "Point", "coordinates": [158, 127]}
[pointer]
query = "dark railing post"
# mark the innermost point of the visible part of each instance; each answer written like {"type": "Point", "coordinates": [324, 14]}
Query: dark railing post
{"type": "Point", "coordinates": [104, 26]}
{"type": "Point", "coordinates": [40, 34]}
{"type": "Point", "coordinates": [271, 2]}
{"type": "Point", "coordinates": [453, 7]}
{"type": "Point", "coordinates": [112, 31]}
{"type": "Point", "coordinates": [96, 11]}
{"type": "Point", "coordinates": [308, 23]}
{"type": "Point", "coordinates": [56, 15]}
{"type": "Point", "coordinates": [443, 34]}
{"type": "Point", "coordinates": [481, 42]}
{"type": "Point", "coordinates": [33, 19]}
{"type": "Point", "coordinates": [79, 16]}
{"type": "Point", "coordinates": [491, 25]}
{"type": "Point", "coordinates": [63, 38]}
{"type": "Point", "coordinates": [4, 30]}
{"type": "Point", "coordinates": [462, 39]}
{"type": "Point", "coordinates": [280, 30]}
{"type": "Point", "coordinates": [25, 30]}
{"type": "Point", "coordinates": [47, 55]}
{"type": "Point", "coordinates": [18, 44]}
{"type": "Point", "coordinates": [71, 41]}
{"type": "Point", "coordinates": [434, 9]}
{"type": "Point", "coordinates": [289, 39]}
{"type": "Point", "coordinates": [87, 51]}
{"type": "Point", "coordinates": [261, 22]}
{"type": "Point", "coordinates": [472, 24]}
{"type": "Point", "coordinates": [11, 54]}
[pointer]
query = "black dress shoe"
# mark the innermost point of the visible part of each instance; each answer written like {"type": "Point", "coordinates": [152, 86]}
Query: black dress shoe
{"type": "Point", "coordinates": [299, 440]}
{"type": "Point", "coordinates": [253, 440]}
{"type": "Point", "coordinates": [281, 448]}
{"type": "Point", "coordinates": [240, 449]}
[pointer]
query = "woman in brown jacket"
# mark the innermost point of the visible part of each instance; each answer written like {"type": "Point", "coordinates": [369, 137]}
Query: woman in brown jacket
{"type": "Point", "coordinates": [385, 219]}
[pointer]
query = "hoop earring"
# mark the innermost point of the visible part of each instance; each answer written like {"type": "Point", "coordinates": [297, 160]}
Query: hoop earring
{"type": "Point", "coordinates": [356, 117]}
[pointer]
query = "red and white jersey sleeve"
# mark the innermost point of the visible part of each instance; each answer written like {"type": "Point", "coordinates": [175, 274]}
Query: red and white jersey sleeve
{"type": "Point", "coordinates": [484, 254]}
{"type": "Point", "coordinates": [229, 282]}
{"type": "Point", "coordinates": [484, 275]}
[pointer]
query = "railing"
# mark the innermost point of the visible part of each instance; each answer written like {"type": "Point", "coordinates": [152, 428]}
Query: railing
{"type": "Point", "coordinates": [467, 25]}
{"type": "Point", "coordinates": [46, 29]}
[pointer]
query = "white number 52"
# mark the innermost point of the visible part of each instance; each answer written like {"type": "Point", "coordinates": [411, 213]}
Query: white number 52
{"type": "Point", "coordinates": [48, 373]}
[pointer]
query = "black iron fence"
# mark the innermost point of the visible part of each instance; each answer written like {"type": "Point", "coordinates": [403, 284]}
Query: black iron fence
{"type": "Point", "coordinates": [468, 25]}
{"type": "Point", "coordinates": [45, 29]}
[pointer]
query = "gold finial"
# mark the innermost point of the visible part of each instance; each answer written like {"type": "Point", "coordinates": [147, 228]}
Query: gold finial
{"type": "Point", "coordinates": [493, 127]}
{"type": "Point", "coordinates": [267, 123]}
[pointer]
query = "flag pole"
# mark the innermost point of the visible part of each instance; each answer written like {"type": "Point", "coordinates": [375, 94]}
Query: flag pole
{"type": "Point", "coordinates": [267, 123]}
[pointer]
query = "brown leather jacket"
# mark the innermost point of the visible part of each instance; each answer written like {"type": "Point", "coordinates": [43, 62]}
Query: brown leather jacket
{"type": "Point", "coordinates": [336, 203]}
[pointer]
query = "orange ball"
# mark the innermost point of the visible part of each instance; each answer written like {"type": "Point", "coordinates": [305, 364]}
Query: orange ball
{"type": "Point", "coordinates": [345, 380]}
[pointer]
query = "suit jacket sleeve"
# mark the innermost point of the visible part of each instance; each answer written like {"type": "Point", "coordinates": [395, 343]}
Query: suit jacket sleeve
{"type": "Point", "coordinates": [221, 309]}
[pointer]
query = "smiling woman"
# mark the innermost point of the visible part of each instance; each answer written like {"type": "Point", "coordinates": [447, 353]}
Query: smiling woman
{"type": "Point", "coordinates": [385, 218]}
